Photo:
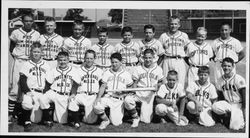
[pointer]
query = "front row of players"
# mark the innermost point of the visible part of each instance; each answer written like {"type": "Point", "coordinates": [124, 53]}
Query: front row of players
{"type": "Point", "coordinates": [70, 89]}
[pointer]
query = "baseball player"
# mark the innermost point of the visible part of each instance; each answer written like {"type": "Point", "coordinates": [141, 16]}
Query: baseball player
{"type": "Point", "coordinates": [199, 54]}
{"type": "Point", "coordinates": [32, 83]}
{"type": "Point", "coordinates": [174, 43]}
{"type": "Point", "coordinates": [20, 41]}
{"type": "Point", "coordinates": [61, 86]}
{"type": "Point", "coordinates": [77, 44]}
{"type": "Point", "coordinates": [169, 97]}
{"type": "Point", "coordinates": [115, 78]}
{"type": "Point", "coordinates": [146, 75]}
{"type": "Point", "coordinates": [232, 101]}
{"type": "Point", "coordinates": [226, 46]}
{"type": "Point", "coordinates": [201, 95]}
{"type": "Point", "coordinates": [87, 91]}
{"type": "Point", "coordinates": [150, 42]}
{"type": "Point", "coordinates": [130, 50]}
{"type": "Point", "coordinates": [51, 42]}
{"type": "Point", "coordinates": [103, 50]}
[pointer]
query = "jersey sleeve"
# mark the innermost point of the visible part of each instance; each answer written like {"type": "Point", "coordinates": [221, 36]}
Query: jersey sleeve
{"type": "Point", "coordinates": [162, 91]}
{"type": "Point", "coordinates": [161, 39]}
{"type": "Point", "coordinates": [24, 69]}
{"type": "Point", "coordinates": [138, 51]}
{"type": "Point", "coordinates": [240, 82]}
{"type": "Point", "coordinates": [210, 51]}
{"type": "Point", "coordinates": [105, 76]}
{"type": "Point", "coordinates": [191, 88]}
{"type": "Point", "coordinates": [160, 49]}
{"type": "Point", "coordinates": [186, 40]}
{"type": "Point", "coordinates": [129, 80]}
{"type": "Point", "coordinates": [60, 42]}
{"type": "Point", "coordinates": [50, 76]}
{"type": "Point", "coordinates": [238, 46]}
{"type": "Point", "coordinates": [65, 44]}
{"type": "Point", "coordinates": [213, 45]}
{"type": "Point", "coordinates": [135, 75]}
{"type": "Point", "coordinates": [75, 75]}
{"type": "Point", "coordinates": [213, 92]}
{"type": "Point", "coordinates": [181, 91]}
{"type": "Point", "coordinates": [13, 36]}
{"type": "Point", "coordinates": [160, 74]}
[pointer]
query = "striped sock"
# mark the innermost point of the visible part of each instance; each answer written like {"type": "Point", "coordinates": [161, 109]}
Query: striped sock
{"type": "Point", "coordinates": [11, 107]}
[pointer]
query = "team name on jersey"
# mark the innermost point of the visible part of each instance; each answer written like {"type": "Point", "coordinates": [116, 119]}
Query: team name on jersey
{"type": "Point", "coordinates": [33, 69]}
{"type": "Point", "coordinates": [128, 52]}
{"type": "Point", "coordinates": [148, 47]}
{"type": "Point", "coordinates": [103, 55]}
{"type": "Point", "coordinates": [229, 87]}
{"type": "Point", "coordinates": [150, 75]}
{"type": "Point", "coordinates": [204, 93]}
{"type": "Point", "coordinates": [205, 52]}
{"type": "Point", "coordinates": [118, 79]}
{"type": "Point", "coordinates": [77, 50]}
{"type": "Point", "coordinates": [89, 78]}
{"type": "Point", "coordinates": [170, 96]}
{"type": "Point", "coordinates": [63, 77]}
{"type": "Point", "coordinates": [49, 46]}
{"type": "Point", "coordinates": [227, 46]}
{"type": "Point", "coordinates": [175, 42]}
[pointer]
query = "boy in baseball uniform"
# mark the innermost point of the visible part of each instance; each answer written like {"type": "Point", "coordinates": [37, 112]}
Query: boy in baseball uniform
{"type": "Point", "coordinates": [61, 86]}
{"type": "Point", "coordinates": [103, 49]}
{"type": "Point", "coordinates": [87, 90]}
{"type": "Point", "coordinates": [77, 44]}
{"type": "Point", "coordinates": [169, 97]}
{"type": "Point", "coordinates": [174, 43]}
{"type": "Point", "coordinates": [232, 97]}
{"type": "Point", "coordinates": [51, 42]}
{"type": "Point", "coordinates": [113, 79]}
{"type": "Point", "coordinates": [201, 94]}
{"type": "Point", "coordinates": [20, 41]}
{"type": "Point", "coordinates": [146, 75]}
{"type": "Point", "coordinates": [32, 83]}
{"type": "Point", "coordinates": [226, 46]}
{"type": "Point", "coordinates": [199, 54]}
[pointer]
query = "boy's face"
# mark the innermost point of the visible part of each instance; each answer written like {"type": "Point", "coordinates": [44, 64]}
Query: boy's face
{"type": "Point", "coordinates": [203, 77]}
{"type": "Point", "coordinates": [36, 53]}
{"type": "Point", "coordinates": [171, 80]}
{"type": "Point", "coordinates": [27, 22]}
{"type": "Point", "coordinates": [77, 31]}
{"type": "Point", "coordinates": [201, 36]}
{"type": "Point", "coordinates": [149, 34]}
{"type": "Point", "coordinates": [174, 25]}
{"type": "Point", "coordinates": [225, 31]}
{"type": "Point", "coordinates": [127, 36]}
{"type": "Point", "coordinates": [227, 67]}
{"type": "Point", "coordinates": [89, 59]}
{"type": "Point", "coordinates": [63, 61]}
{"type": "Point", "coordinates": [115, 64]}
{"type": "Point", "coordinates": [102, 37]}
{"type": "Point", "coordinates": [148, 59]}
{"type": "Point", "coordinates": [50, 27]}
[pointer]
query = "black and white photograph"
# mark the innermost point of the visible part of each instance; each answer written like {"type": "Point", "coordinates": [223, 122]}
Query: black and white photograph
{"type": "Point", "coordinates": [127, 68]}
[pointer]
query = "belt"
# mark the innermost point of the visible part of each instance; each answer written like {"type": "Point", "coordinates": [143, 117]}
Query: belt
{"type": "Point", "coordinates": [61, 93]}
{"type": "Point", "coordinates": [51, 59]}
{"type": "Point", "coordinates": [174, 57]}
{"type": "Point", "coordinates": [87, 93]}
{"type": "Point", "coordinates": [37, 90]}
{"type": "Point", "coordinates": [130, 64]}
{"type": "Point", "coordinates": [76, 62]}
{"type": "Point", "coordinates": [119, 98]}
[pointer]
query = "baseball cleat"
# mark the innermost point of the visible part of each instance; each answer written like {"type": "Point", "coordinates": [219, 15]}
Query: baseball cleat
{"type": "Point", "coordinates": [48, 123]}
{"type": "Point", "coordinates": [104, 124]}
{"type": "Point", "coordinates": [163, 121]}
{"type": "Point", "coordinates": [27, 126]}
{"type": "Point", "coordinates": [135, 122]}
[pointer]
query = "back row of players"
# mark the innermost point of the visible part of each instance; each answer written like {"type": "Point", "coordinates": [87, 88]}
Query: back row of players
{"type": "Point", "coordinates": [172, 51]}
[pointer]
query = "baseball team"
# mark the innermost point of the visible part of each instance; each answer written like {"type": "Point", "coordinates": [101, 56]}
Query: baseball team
{"type": "Point", "coordinates": [71, 80]}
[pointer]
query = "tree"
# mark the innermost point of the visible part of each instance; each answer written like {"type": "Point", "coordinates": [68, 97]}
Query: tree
{"type": "Point", "coordinates": [16, 12]}
{"type": "Point", "coordinates": [116, 15]}
{"type": "Point", "coordinates": [74, 14]}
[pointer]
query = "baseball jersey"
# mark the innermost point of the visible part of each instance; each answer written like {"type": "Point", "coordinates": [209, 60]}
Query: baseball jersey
{"type": "Point", "coordinates": [23, 41]}
{"type": "Point", "coordinates": [51, 45]}
{"type": "Point", "coordinates": [174, 45]}
{"type": "Point", "coordinates": [226, 48]}
{"type": "Point", "coordinates": [117, 80]}
{"type": "Point", "coordinates": [199, 55]}
{"type": "Point", "coordinates": [90, 79]}
{"type": "Point", "coordinates": [35, 73]}
{"type": "Point", "coordinates": [130, 52]}
{"type": "Point", "coordinates": [171, 95]}
{"type": "Point", "coordinates": [103, 53]}
{"type": "Point", "coordinates": [148, 77]}
{"type": "Point", "coordinates": [230, 87]}
{"type": "Point", "coordinates": [77, 47]}
{"type": "Point", "coordinates": [203, 93]}
{"type": "Point", "coordinates": [62, 80]}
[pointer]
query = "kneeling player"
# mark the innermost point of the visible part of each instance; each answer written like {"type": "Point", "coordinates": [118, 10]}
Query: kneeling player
{"type": "Point", "coordinates": [201, 95]}
{"type": "Point", "coordinates": [167, 98]}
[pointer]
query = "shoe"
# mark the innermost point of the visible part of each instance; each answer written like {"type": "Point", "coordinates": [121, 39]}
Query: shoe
{"type": "Point", "coordinates": [163, 121]}
{"type": "Point", "coordinates": [135, 122]}
{"type": "Point", "coordinates": [104, 124]}
{"type": "Point", "coordinates": [48, 123]}
{"type": "Point", "coordinates": [10, 119]}
{"type": "Point", "coordinates": [77, 125]}
{"type": "Point", "coordinates": [27, 126]}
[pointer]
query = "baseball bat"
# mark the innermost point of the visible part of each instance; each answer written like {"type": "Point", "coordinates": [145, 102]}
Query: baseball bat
{"type": "Point", "coordinates": [132, 89]}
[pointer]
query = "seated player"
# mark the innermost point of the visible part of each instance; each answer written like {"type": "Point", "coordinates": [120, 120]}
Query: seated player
{"type": "Point", "coordinates": [231, 90]}
{"type": "Point", "coordinates": [167, 99]}
{"type": "Point", "coordinates": [201, 95]}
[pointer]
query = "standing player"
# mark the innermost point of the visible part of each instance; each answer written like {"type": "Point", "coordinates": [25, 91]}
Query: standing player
{"type": "Point", "coordinates": [130, 50]}
{"type": "Point", "coordinates": [150, 42]}
{"type": "Point", "coordinates": [62, 83]}
{"type": "Point", "coordinates": [226, 46]}
{"type": "Point", "coordinates": [232, 96]}
{"type": "Point", "coordinates": [20, 41]}
{"type": "Point", "coordinates": [51, 42]}
{"type": "Point", "coordinates": [87, 91]}
{"type": "Point", "coordinates": [199, 54]}
{"type": "Point", "coordinates": [32, 83]}
{"type": "Point", "coordinates": [146, 75]}
{"type": "Point", "coordinates": [103, 49]}
{"type": "Point", "coordinates": [77, 44]}
{"type": "Point", "coordinates": [169, 97]}
{"type": "Point", "coordinates": [201, 95]}
{"type": "Point", "coordinates": [174, 43]}
{"type": "Point", "coordinates": [114, 78]}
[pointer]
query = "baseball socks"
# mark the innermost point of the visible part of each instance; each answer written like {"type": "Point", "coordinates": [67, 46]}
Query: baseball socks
{"type": "Point", "coordinates": [105, 121]}
{"type": "Point", "coordinates": [11, 107]}
{"type": "Point", "coordinates": [27, 122]}
{"type": "Point", "coordinates": [136, 118]}
{"type": "Point", "coordinates": [47, 118]}
{"type": "Point", "coordinates": [74, 119]}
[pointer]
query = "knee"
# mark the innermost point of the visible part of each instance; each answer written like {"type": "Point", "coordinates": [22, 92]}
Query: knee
{"type": "Point", "coordinates": [129, 103]}
{"type": "Point", "coordinates": [160, 109]}
{"type": "Point", "coordinates": [191, 106]}
{"type": "Point", "coordinates": [27, 103]}
{"type": "Point", "coordinates": [99, 109]}
{"type": "Point", "coordinates": [218, 108]}
{"type": "Point", "coordinates": [73, 106]}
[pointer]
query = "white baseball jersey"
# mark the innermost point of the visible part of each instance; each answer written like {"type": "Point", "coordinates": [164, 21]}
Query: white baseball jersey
{"type": "Point", "coordinates": [103, 53]}
{"type": "Point", "coordinates": [203, 93]}
{"type": "Point", "coordinates": [174, 45]}
{"type": "Point", "coordinates": [199, 55]}
{"type": "Point", "coordinates": [171, 95]}
{"type": "Point", "coordinates": [90, 79]}
{"type": "Point", "coordinates": [77, 47]}
{"type": "Point", "coordinates": [148, 77]}
{"type": "Point", "coordinates": [230, 88]}
{"type": "Point", "coordinates": [23, 42]}
{"type": "Point", "coordinates": [226, 48]}
{"type": "Point", "coordinates": [35, 73]}
{"type": "Point", "coordinates": [130, 52]}
{"type": "Point", "coordinates": [51, 45]}
{"type": "Point", "coordinates": [62, 80]}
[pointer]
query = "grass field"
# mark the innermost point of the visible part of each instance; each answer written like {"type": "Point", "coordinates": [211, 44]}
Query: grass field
{"type": "Point", "coordinates": [125, 127]}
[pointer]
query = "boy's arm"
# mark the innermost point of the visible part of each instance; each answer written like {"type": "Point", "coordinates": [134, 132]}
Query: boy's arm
{"type": "Point", "coordinates": [160, 100]}
{"type": "Point", "coordinates": [241, 55]}
{"type": "Point", "coordinates": [182, 105]}
{"type": "Point", "coordinates": [160, 59]}
{"type": "Point", "coordinates": [242, 92]}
